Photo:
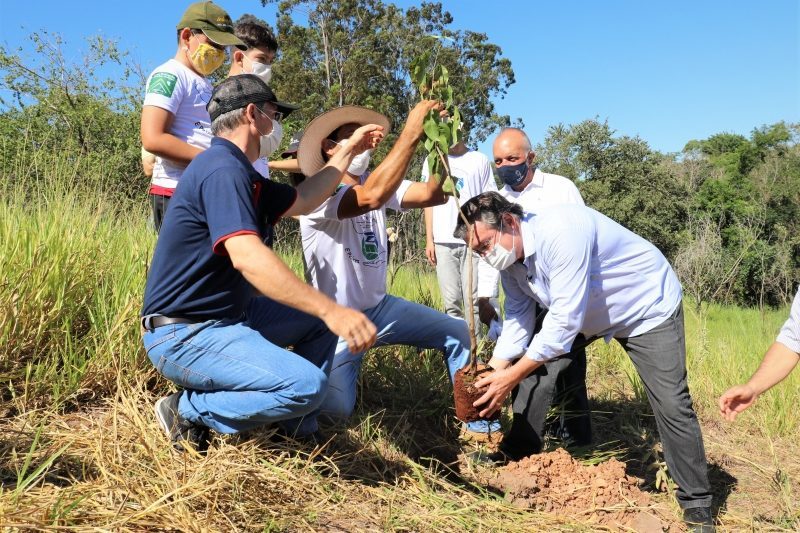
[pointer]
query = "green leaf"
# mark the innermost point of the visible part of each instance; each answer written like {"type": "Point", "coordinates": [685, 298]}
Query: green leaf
{"type": "Point", "coordinates": [433, 164]}
{"type": "Point", "coordinates": [431, 128]}
{"type": "Point", "coordinates": [428, 145]}
{"type": "Point", "coordinates": [448, 187]}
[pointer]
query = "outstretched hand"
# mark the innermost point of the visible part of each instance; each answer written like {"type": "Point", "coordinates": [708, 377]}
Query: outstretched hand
{"type": "Point", "coordinates": [735, 400]}
{"type": "Point", "coordinates": [353, 326]}
{"type": "Point", "coordinates": [366, 138]}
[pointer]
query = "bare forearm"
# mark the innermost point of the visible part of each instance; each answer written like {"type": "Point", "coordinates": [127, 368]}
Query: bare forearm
{"type": "Point", "coordinates": [270, 276]}
{"type": "Point", "coordinates": [317, 188]}
{"type": "Point", "coordinates": [778, 363]}
{"type": "Point", "coordinates": [429, 224]}
{"type": "Point", "coordinates": [385, 179]}
{"type": "Point", "coordinates": [170, 147]}
{"type": "Point", "coordinates": [285, 165]}
{"type": "Point", "coordinates": [523, 368]}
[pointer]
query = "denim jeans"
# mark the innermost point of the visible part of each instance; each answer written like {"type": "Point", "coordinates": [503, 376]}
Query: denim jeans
{"type": "Point", "coordinates": [237, 374]}
{"type": "Point", "coordinates": [399, 322]}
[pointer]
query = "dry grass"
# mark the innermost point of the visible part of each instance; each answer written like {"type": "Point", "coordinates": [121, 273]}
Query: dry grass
{"type": "Point", "coordinates": [115, 471]}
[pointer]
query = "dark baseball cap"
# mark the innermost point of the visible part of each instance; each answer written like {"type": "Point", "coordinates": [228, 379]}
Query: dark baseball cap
{"type": "Point", "coordinates": [236, 92]}
{"type": "Point", "coordinates": [214, 21]}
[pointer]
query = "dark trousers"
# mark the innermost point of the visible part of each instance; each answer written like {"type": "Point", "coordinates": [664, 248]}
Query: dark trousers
{"type": "Point", "coordinates": [660, 359]}
{"type": "Point", "coordinates": [159, 204]}
{"type": "Point", "coordinates": [561, 381]}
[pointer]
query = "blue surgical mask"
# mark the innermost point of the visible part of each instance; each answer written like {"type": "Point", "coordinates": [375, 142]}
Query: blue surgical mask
{"type": "Point", "coordinates": [513, 175]}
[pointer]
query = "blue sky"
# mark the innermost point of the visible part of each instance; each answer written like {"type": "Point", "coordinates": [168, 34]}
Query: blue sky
{"type": "Point", "coordinates": [666, 71]}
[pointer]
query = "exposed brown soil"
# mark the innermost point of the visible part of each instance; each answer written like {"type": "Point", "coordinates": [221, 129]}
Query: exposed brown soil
{"type": "Point", "coordinates": [465, 393]}
{"type": "Point", "coordinates": [602, 494]}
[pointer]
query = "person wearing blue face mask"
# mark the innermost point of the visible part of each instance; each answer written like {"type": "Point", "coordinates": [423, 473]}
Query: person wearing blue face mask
{"type": "Point", "coordinates": [562, 381]}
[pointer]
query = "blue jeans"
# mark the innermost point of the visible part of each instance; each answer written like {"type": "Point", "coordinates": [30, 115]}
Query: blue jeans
{"type": "Point", "coordinates": [237, 374]}
{"type": "Point", "coordinates": [399, 322]}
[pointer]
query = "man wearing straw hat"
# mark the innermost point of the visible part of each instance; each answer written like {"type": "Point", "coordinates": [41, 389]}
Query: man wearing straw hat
{"type": "Point", "coordinates": [345, 248]}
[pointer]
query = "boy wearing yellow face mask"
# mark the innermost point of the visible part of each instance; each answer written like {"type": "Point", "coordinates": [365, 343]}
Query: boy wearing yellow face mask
{"type": "Point", "coordinates": [175, 124]}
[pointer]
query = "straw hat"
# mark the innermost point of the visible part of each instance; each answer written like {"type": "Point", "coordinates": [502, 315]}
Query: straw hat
{"type": "Point", "coordinates": [309, 151]}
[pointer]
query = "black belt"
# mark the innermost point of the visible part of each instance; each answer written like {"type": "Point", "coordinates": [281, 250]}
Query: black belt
{"type": "Point", "coordinates": [151, 322]}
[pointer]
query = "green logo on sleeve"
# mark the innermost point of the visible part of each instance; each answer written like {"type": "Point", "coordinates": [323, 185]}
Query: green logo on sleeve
{"type": "Point", "coordinates": [162, 83]}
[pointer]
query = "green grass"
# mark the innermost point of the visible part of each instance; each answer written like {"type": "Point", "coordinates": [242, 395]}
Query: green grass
{"type": "Point", "coordinates": [73, 272]}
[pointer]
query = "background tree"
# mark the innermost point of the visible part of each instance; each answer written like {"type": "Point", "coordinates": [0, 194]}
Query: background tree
{"type": "Point", "coordinates": [619, 176]}
{"type": "Point", "coordinates": [84, 112]}
{"type": "Point", "coordinates": [359, 52]}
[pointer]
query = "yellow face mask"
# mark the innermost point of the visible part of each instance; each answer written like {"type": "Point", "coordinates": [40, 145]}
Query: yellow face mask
{"type": "Point", "coordinates": [206, 59]}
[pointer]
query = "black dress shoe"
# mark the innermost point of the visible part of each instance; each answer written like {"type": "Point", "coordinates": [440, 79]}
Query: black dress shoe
{"type": "Point", "coordinates": [699, 519]}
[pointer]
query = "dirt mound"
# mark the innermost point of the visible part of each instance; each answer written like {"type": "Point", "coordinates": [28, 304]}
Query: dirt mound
{"type": "Point", "coordinates": [603, 494]}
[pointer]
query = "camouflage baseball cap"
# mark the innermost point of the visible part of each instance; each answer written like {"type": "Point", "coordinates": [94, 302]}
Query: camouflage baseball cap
{"type": "Point", "coordinates": [214, 21]}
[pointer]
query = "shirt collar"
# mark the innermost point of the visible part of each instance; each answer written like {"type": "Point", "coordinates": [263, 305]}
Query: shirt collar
{"type": "Point", "coordinates": [526, 230]}
{"type": "Point", "coordinates": [538, 178]}
{"type": "Point", "coordinates": [536, 181]}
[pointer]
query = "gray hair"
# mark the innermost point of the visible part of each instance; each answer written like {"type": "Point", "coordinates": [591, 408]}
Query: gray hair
{"type": "Point", "coordinates": [228, 121]}
{"type": "Point", "coordinates": [488, 208]}
{"type": "Point", "coordinates": [527, 144]}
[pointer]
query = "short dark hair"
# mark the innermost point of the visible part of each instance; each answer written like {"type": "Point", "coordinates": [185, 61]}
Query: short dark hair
{"type": "Point", "coordinates": [489, 208]}
{"type": "Point", "coordinates": [254, 34]}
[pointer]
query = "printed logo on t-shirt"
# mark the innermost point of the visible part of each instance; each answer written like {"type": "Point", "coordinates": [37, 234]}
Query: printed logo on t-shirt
{"type": "Point", "coordinates": [162, 83]}
{"type": "Point", "coordinates": [369, 246]}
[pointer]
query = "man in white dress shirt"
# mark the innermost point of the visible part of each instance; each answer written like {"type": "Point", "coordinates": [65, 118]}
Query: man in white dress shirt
{"type": "Point", "coordinates": [561, 381]}
{"type": "Point", "coordinates": [601, 280]}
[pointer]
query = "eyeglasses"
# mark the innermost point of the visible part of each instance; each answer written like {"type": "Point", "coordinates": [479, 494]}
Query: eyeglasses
{"type": "Point", "coordinates": [483, 245]}
{"type": "Point", "coordinates": [277, 116]}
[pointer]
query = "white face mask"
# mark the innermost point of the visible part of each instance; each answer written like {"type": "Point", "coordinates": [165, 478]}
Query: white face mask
{"type": "Point", "coordinates": [360, 163]}
{"type": "Point", "coordinates": [271, 142]}
{"type": "Point", "coordinates": [499, 258]}
{"type": "Point", "coordinates": [262, 70]}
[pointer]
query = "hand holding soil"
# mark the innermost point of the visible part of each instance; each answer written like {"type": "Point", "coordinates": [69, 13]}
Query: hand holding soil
{"type": "Point", "coordinates": [498, 386]}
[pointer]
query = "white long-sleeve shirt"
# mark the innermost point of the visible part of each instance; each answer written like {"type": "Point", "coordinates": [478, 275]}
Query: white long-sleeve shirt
{"type": "Point", "coordinates": [790, 332]}
{"type": "Point", "coordinates": [593, 275]}
{"type": "Point", "coordinates": [544, 190]}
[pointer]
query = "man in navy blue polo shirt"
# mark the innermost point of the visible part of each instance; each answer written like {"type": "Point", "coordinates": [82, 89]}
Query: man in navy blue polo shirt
{"type": "Point", "coordinates": [203, 328]}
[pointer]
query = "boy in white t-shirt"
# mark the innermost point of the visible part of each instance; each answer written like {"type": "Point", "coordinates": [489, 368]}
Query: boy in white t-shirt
{"type": "Point", "coordinates": [257, 60]}
{"type": "Point", "coordinates": [473, 175]}
{"type": "Point", "coordinates": [345, 249]}
{"type": "Point", "coordinates": [175, 124]}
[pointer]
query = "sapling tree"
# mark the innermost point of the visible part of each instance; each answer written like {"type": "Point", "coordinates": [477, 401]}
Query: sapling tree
{"type": "Point", "coordinates": [441, 132]}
